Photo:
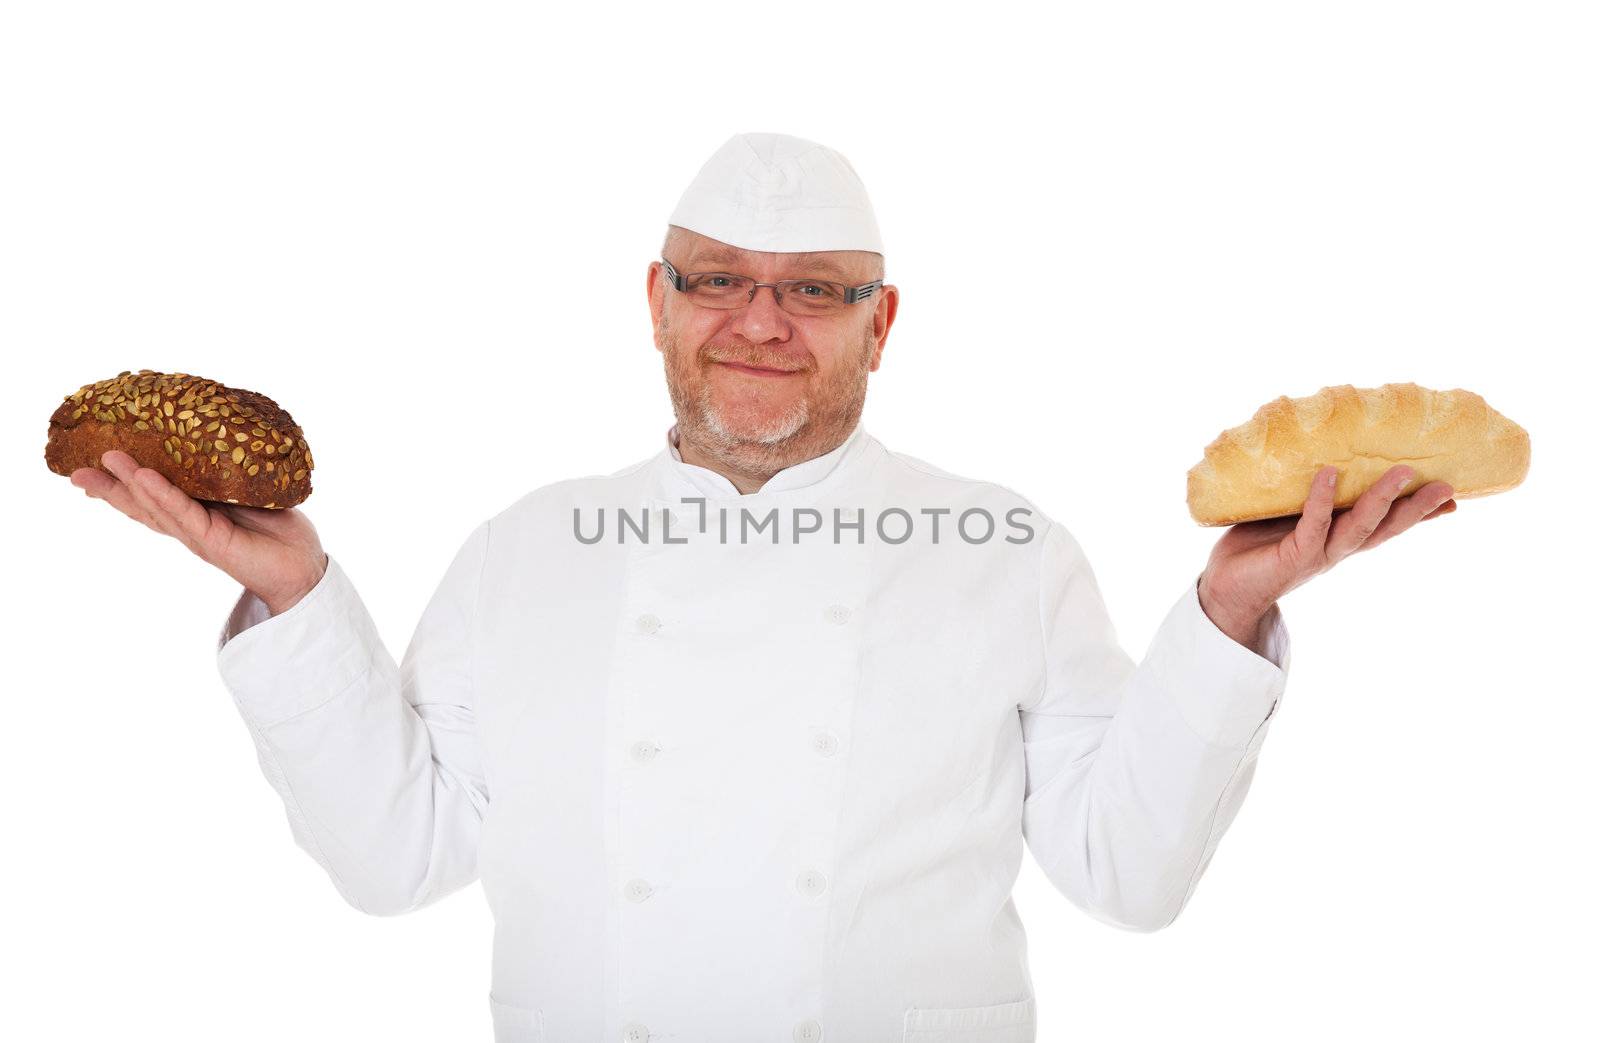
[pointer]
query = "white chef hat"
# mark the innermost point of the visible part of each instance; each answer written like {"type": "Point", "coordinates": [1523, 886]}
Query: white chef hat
{"type": "Point", "coordinates": [779, 194]}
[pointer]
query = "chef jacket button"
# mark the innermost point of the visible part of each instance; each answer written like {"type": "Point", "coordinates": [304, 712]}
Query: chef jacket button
{"type": "Point", "coordinates": [811, 883]}
{"type": "Point", "coordinates": [808, 1031]}
{"type": "Point", "coordinates": [647, 624]}
{"type": "Point", "coordinates": [644, 751]}
{"type": "Point", "coordinates": [633, 1032]}
{"type": "Point", "coordinates": [824, 743]}
{"type": "Point", "coordinates": [637, 890]}
{"type": "Point", "coordinates": [839, 614]}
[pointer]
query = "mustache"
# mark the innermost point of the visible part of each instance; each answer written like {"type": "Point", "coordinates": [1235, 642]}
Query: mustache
{"type": "Point", "coordinates": [758, 361]}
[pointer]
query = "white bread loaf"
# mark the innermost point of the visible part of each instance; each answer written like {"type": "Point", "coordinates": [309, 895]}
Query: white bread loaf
{"type": "Point", "coordinates": [1263, 468]}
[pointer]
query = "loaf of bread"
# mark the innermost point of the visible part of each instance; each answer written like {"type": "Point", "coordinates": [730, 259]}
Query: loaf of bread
{"type": "Point", "coordinates": [215, 443]}
{"type": "Point", "coordinates": [1263, 468]}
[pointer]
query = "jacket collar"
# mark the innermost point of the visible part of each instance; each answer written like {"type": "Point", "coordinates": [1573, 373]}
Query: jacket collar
{"type": "Point", "coordinates": [678, 479]}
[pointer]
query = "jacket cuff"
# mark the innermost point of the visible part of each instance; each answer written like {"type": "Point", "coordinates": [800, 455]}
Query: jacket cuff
{"type": "Point", "coordinates": [280, 666]}
{"type": "Point", "coordinates": [247, 612]}
{"type": "Point", "coordinates": [1224, 690]}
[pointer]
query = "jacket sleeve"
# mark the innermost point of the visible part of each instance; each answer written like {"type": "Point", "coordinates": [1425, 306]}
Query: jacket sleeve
{"type": "Point", "coordinates": [1134, 772]}
{"type": "Point", "coordinates": [378, 767]}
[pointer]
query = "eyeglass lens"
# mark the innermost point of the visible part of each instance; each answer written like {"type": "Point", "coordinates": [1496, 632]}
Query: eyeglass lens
{"type": "Point", "coordinates": [797, 296]}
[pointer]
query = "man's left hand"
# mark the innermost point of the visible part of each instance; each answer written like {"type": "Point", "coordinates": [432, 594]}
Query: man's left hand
{"type": "Point", "coordinates": [1256, 563]}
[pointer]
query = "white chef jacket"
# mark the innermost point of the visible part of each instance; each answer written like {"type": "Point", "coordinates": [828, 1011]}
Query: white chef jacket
{"type": "Point", "coordinates": [731, 789]}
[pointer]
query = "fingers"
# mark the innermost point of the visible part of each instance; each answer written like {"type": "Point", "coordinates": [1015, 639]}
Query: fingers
{"type": "Point", "coordinates": [97, 484]}
{"type": "Point", "coordinates": [1357, 525]}
{"type": "Point", "coordinates": [1421, 505]}
{"type": "Point", "coordinates": [190, 515]}
{"type": "Point", "coordinates": [150, 494]}
{"type": "Point", "coordinates": [1375, 517]}
{"type": "Point", "coordinates": [123, 467]}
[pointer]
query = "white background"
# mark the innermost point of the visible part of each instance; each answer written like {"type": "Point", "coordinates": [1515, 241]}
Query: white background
{"type": "Point", "coordinates": [424, 229]}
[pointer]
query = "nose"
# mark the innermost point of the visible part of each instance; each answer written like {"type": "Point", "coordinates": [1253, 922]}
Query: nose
{"type": "Point", "coordinates": [762, 319]}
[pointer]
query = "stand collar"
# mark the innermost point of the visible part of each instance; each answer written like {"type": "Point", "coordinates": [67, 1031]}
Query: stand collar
{"type": "Point", "coordinates": [814, 475]}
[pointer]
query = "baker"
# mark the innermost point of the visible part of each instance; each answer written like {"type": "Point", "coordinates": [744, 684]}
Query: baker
{"type": "Point", "coordinates": [758, 761]}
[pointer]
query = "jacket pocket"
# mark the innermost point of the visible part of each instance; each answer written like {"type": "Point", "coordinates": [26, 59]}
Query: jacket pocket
{"type": "Point", "coordinates": [1001, 1023]}
{"type": "Point", "coordinates": [513, 1024]}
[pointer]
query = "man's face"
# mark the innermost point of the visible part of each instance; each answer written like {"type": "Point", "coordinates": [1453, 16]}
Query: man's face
{"type": "Point", "coordinates": [756, 385]}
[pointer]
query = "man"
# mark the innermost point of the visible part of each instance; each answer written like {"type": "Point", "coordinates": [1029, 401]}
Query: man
{"type": "Point", "coordinates": [745, 740]}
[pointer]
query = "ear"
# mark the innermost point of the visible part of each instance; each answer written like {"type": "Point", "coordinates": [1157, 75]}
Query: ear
{"type": "Point", "coordinates": [883, 314]}
{"type": "Point", "coordinates": [655, 289]}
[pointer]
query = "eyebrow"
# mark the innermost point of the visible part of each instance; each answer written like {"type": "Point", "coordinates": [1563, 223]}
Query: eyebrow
{"type": "Point", "coordinates": [807, 262]}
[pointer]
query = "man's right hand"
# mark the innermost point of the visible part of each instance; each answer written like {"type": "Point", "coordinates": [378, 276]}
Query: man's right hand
{"type": "Point", "coordinates": [274, 553]}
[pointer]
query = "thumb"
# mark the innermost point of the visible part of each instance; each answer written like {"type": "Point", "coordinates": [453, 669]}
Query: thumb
{"type": "Point", "coordinates": [1311, 534]}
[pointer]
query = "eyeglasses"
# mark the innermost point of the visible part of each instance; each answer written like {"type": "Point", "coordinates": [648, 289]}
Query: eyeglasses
{"type": "Point", "coordinates": [795, 296]}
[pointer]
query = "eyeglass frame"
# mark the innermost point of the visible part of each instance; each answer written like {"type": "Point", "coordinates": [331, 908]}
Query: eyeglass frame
{"type": "Point", "coordinates": [852, 294]}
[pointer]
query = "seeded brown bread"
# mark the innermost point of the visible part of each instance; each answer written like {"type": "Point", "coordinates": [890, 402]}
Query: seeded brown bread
{"type": "Point", "coordinates": [213, 442]}
{"type": "Point", "coordinates": [1263, 468]}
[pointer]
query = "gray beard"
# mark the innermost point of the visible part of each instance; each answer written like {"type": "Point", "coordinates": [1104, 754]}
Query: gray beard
{"type": "Point", "coordinates": [775, 432]}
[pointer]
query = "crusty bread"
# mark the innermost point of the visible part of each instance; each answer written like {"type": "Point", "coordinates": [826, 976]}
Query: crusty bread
{"type": "Point", "coordinates": [1264, 468]}
{"type": "Point", "coordinates": [213, 442]}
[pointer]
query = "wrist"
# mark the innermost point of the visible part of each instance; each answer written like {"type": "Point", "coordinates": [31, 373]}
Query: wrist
{"type": "Point", "coordinates": [277, 604]}
{"type": "Point", "coordinates": [1238, 621]}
